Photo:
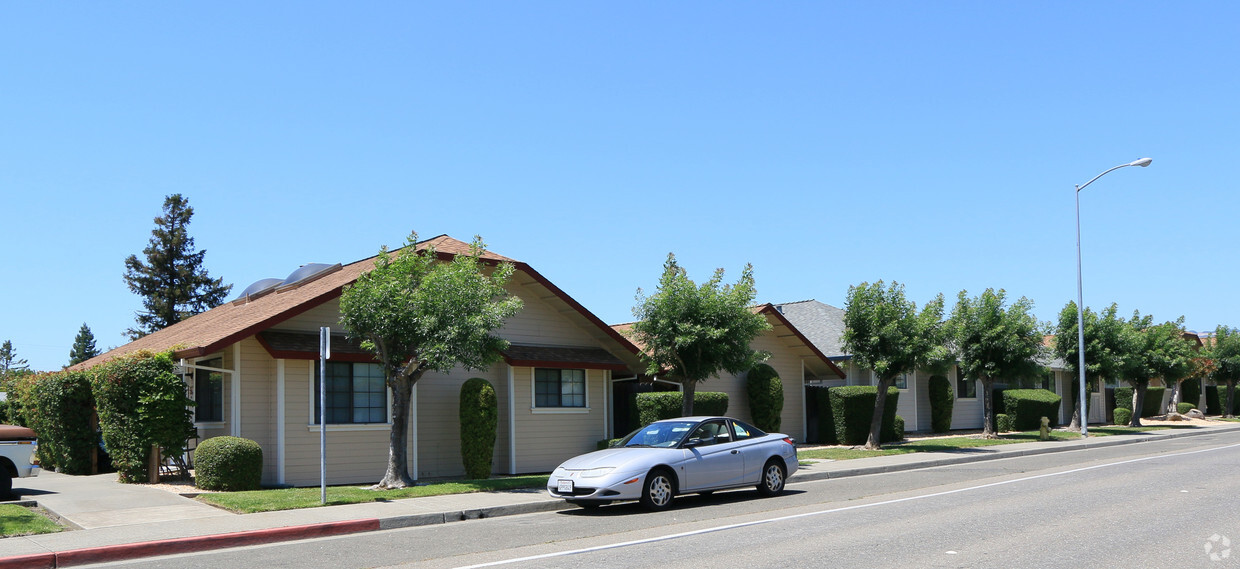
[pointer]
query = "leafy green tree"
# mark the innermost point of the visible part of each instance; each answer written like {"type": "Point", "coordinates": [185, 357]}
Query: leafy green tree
{"type": "Point", "coordinates": [1155, 351]}
{"type": "Point", "coordinates": [885, 332]}
{"type": "Point", "coordinates": [691, 332]}
{"type": "Point", "coordinates": [172, 282]}
{"type": "Point", "coordinates": [1225, 351]}
{"type": "Point", "coordinates": [83, 346]}
{"type": "Point", "coordinates": [419, 314]}
{"type": "Point", "coordinates": [1105, 338]}
{"type": "Point", "coordinates": [995, 340]}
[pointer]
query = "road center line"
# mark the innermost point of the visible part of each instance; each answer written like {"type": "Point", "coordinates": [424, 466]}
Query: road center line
{"type": "Point", "coordinates": [833, 510]}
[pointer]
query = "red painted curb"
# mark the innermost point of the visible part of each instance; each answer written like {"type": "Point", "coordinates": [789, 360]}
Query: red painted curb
{"type": "Point", "coordinates": [36, 561]}
{"type": "Point", "coordinates": [186, 544]}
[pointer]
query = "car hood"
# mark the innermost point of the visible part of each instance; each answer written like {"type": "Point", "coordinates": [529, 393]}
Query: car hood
{"type": "Point", "coordinates": [616, 457]}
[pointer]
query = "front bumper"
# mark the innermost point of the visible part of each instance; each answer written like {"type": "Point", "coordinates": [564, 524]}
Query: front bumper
{"type": "Point", "coordinates": [604, 488]}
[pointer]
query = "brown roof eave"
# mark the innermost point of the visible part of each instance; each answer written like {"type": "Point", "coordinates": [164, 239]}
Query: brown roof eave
{"type": "Point", "coordinates": [628, 345]}
{"type": "Point", "coordinates": [771, 310]}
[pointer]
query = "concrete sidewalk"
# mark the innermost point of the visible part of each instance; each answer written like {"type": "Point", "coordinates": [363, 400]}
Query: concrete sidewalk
{"type": "Point", "coordinates": [120, 521]}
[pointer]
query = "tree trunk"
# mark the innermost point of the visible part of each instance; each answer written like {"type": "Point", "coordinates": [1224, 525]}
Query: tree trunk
{"type": "Point", "coordinates": [686, 406]}
{"type": "Point", "coordinates": [397, 475]}
{"type": "Point", "coordinates": [1138, 403]}
{"type": "Point", "coordinates": [1173, 404]}
{"type": "Point", "coordinates": [1231, 391]}
{"type": "Point", "coordinates": [876, 420]}
{"type": "Point", "coordinates": [988, 407]}
{"type": "Point", "coordinates": [1071, 396]}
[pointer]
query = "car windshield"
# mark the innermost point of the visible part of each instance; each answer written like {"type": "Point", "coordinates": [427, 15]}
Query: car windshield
{"type": "Point", "coordinates": [666, 434]}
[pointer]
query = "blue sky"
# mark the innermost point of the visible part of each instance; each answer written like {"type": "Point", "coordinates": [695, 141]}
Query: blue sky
{"type": "Point", "coordinates": [828, 143]}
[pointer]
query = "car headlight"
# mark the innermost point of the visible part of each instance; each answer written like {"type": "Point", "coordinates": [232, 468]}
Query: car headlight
{"type": "Point", "coordinates": [596, 472]}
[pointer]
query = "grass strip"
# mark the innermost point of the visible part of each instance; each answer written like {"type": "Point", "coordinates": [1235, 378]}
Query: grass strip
{"type": "Point", "coordinates": [294, 498]}
{"type": "Point", "coordinates": [17, 520]}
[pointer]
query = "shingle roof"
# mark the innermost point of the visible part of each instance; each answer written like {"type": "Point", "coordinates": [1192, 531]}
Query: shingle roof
{"type": "Point", "coordinates": [822, 323]}
{"type": "Point", "coordinates": [231, 322]}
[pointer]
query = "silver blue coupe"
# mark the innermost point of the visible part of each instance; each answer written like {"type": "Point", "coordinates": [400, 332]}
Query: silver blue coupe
{"type": "Point", "coordinates": [677, 456]}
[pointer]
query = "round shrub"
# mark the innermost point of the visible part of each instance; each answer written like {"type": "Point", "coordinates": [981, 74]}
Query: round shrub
{"type": "Point", "coordinates": [941, 401]}
{"type": "Point", "coordinates": [479, 419]}
{"type": "Point", "coordinates": [1006, 422]}
{"type": "Point", "coordinates": [228, 463]}
{"type": "Point", "coordinates": [1123, 416]}
{"type": "Point", "coordinates": [898, 428]}
{"type": "Point", "coordinates": [1183, 408]}
{"type": "Point", "coordinates": [766, 397]}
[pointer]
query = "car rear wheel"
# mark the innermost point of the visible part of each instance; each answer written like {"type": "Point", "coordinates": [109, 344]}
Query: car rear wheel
{"type": "Point", "coordinates": [773, 476]}
{"type": "Point", "coordinates": [659, 490]}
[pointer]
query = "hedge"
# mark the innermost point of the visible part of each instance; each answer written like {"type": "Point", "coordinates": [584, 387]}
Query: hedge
{"type": "Point", "coordinates": [141, 403]}
{"type": "Point", "coordinates": [766, 397]}
{"type": "Point", "coordinates": [1150, 407]}
{"type": "Point", "coordinates": [1190, 391]}
{"type": "Point", "coordinates": [60, 408]}
{"type": "Point", "coordinates": [228, 463]}
{"type": "Point", "coordinates": [942, 399]}
{"type": "Point", "coordinates": [1005, 422]}
{"type": "Point", "coordinates": [661, 405]}
{"type": "Point", "coordinates": [1123, 416]}
{"type": "Point", "coordinates": [1183, 408]}
{"type": "Point", "coordinates": [852, 408]}
{"type": "Point", "coordinates": [1026, 407]}
{"type": "Point", "coordinates": [898, 428]}
{"type": "Point", "coordinates": [479, 414]}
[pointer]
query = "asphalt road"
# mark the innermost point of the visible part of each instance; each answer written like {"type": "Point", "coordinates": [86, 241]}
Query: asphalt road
{"type": "Point", "coordinates": [1145, 505]}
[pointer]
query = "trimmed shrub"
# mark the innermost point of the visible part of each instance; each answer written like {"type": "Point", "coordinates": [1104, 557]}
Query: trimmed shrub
{"type": "Point", "coordinates": [1123, 416]}
{"type": "Point", "coordinates": [661, 405]}
{"type": "Point", "coordinates": [606, 444]}
{"type": "Point", "coordinates": [1190, 391]}
{"type": "Point", "coordinates": [766, 397]}
{"type": "Point", "coordinates": [1183, 408]}
{"type": "Point", "coordinates": [897, 428]}
{"type": "Point", "coordinates": [1150, 407]}
{"type": "Point", "coordinates": [852, 408]}
{"type": "Point", "coordinates": [1006, 422]}
{"type": "Point", "coordinates": [228, 463]}
{"type": "Point", "coordinates": [141, 404]}
{"type": "Point", "coordinates": [1213, 407]}
{"type": "Point", "coordinates": [1026, 407]}
{"type": "Point", "coordinates": [942, 398]}
{"type": "Point", "coordinates": [479, 415]}
{"type": "Point", "coordinates": [61, 407]}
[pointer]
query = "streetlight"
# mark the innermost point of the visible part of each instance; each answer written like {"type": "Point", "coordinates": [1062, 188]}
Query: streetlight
{"type": "Point", "coordinates": [1080, 295]}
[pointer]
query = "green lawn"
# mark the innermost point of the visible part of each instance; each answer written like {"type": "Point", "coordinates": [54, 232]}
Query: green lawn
{"type": "Point", "coordinates": [294, 498]}
{"type": "Point", "coordinates": [956, 443]}
{"type": "Point", "coordinates": [16, 520]}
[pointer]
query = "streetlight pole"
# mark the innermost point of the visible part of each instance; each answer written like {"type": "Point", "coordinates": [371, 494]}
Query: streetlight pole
{"type": "Point", "coordinates": [1080, 295]}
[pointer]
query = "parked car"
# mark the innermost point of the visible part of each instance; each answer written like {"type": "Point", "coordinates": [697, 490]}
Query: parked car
{"type": "Point", "coordinates": [17, 460]}
{"type": "Point", "coordinates": [677, 456]}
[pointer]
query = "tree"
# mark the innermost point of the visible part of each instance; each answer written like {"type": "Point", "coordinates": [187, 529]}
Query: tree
{"type": "Point", "coordinates": [418, 314]}
{"type": "Point", "coordinates": [691, 332]}
{"type": "Point", "coordinates": [1155, 351]}
{"type": "Point", "coordinates": [83, 346]}
{"type": "Point", "coordinates": [885, 332]}
{"type": "Point", "coordinates": [992, 340]}
{"type": "Point", "coordinates": [172, 282]}
{"type": "Point", "coordinates": [1104, 348]}
{"type": "Point", "coordinates": [9, 362]}
{"type": "Point", "coordinates": [1225, 351]}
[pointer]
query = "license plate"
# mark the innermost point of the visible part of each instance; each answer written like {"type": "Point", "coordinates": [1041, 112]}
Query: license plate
{"type": "Point", "coordinates": [564, 487]}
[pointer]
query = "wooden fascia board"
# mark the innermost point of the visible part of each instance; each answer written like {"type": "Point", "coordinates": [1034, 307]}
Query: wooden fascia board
{"type": "Point", "coordinates": [772, 311]}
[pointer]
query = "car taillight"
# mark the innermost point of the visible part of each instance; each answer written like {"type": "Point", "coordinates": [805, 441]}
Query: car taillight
{"type": "Point", "coordinates": [790, 441]}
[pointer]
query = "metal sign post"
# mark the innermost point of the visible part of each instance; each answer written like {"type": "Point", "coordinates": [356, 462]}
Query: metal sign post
{"type": "Point", "coordinates": [325, 351]}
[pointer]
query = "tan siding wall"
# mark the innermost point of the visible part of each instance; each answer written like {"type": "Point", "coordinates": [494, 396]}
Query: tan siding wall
{"type": "Point", "coordinates": [922, 393]}
{"type": "Point", "coordinates": [541, 323]}
{"type": "Point", "coordinates": [258, 402]}
{"type": "Point", "coordinates": [541, 441]}
{"type": "Point", "coordinates": [326, 314]}
{"type": "Point", "coordinates": [439, 442]}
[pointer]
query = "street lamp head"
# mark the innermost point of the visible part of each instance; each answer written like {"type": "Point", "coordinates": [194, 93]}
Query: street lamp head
{"type": "Point", "coordinates": [1142, 162]}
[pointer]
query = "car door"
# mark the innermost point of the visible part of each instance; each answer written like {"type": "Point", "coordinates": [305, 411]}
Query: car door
{"type": "Point", "coordinates": [712, 459]}
{"type": "Point", "coordinates": [755, 450]}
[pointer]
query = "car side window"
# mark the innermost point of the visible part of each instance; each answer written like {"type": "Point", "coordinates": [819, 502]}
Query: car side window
{"type": "Point", "coordinates": [746, 431]}
{"type": "Point", "coordinates": [706, 432]}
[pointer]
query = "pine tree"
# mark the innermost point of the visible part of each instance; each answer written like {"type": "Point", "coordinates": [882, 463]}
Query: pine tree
{"type": "Point", "coordinates": [83, 346]}
{"type": "Point", "coordinates": [10, 365]}
{"type": "Point", "coordinates": [172, 282]}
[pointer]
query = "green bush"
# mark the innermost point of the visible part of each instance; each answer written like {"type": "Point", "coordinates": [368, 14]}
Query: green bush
{"type": "Point", "coordinates": [228, 463]}
{"type": "Point", "coordinates": [141, 404]}
{"type": "Point", "coordinates": [1026, 407]}
{"type": "Point", "coordinates": [852, 408]}
{"type": "Point", "coordinates": [61, 407]}
{"type": "Point", "coordinates": [4, 412]}
{"type": "Point", "coordinates": [1190, 391]}
{"type": "Point", "coordinates": [942, 399]}
{"type": "Point", "coordinates": [661, 405]}
{"type": "Point", "coordinates": [1220, 392]}
{"type": "Point", "coordinates": [1150, 407]}
{"type": "Point", "coordinates": [1183, 408]}
{"type": "Point", "coordinates": [766, 397]}
{"type": "Point", "coordinates": [897, 428]}
{"type": "Point", "coordinates": [1123, 416]}
{"type": "Point", "coordinates": [607, 443]}
{"type": "Point", "coordinates": [1213, 407]}
{"type": "Point", "coordinates": [479, 419]}
{"type": "Point", "coordinates": [1006, 422]}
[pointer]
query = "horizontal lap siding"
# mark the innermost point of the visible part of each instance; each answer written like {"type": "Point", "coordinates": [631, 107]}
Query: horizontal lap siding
{"type": "Point", "coordinates": [967, 413]}
{"type": "Point", "coordinates": [788, 366]}
{"type": "Point", "coordinates": [439, 423]}
{"type": "Point", "coordinates": [258, 403]}
{"type": "Point", "coordinates": [544, 440]}
{"type": "Point", "coordinates": [541, 323]}
{"type": "Point", "coordinates": [326, 314]}
{"type": "Point", "coordinates": [353, 457]}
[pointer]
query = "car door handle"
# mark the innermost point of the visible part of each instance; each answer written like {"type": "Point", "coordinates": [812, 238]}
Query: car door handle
{"type": "Point", "coordinates": [736, 452]}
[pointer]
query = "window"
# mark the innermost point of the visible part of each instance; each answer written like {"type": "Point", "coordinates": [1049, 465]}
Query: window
{"type": "Point", "coordinates": [746, 431]}
{"type": "Point", "coordinates": [1048, 380]}
{"type": "Point", "coordinates": [966, 387]}
{"type": "Point", "coordinates": [902, 381]}
{"type": "Point", "coordinates": [559, 387]}
{"type": "Point", "coordinates": [356, 393]}
{"type": "Point", "coordinates": [209, 392]}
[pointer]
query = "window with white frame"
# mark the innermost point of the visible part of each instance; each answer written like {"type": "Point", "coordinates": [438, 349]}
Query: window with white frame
{"type": "Point", "coordinates": [356, 394]}
{"type": "Point", "coordinates": [902, 381]}
{"type": "Point", "coordinates": [559, 387]}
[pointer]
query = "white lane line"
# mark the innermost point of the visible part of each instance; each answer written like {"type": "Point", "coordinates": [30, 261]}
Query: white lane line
{"type": "Point", "coordinates": [831, 511]}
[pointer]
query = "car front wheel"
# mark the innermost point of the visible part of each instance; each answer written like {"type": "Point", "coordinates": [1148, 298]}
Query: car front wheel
{"type": "Point", "coordinates": [773, 476]}
{"type": "Point", "coordinates": [659, 490]}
